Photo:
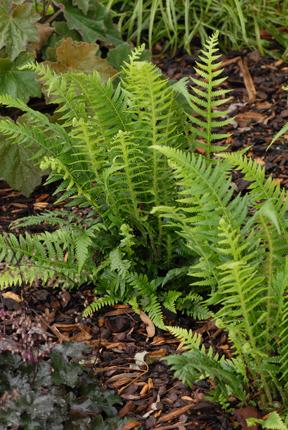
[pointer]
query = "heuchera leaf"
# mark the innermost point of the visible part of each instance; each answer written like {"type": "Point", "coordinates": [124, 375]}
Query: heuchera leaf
{"type": "Point", "coordinates": [96, 25]}
{"type": "Point", "coordinates": [61, 31]}
{"type": "Point", "coordinates": [17, 27]}
{"type": "Point", "coordinates": [80, 56]}
{"type": "Point", "coordinates": [31, 400]}
{"type": "Point", "coordinates": [16, 166]}
{"type": "Point", "coordinates": [18, 83]}
{"type": "Point", "coordinates": [118, 55]}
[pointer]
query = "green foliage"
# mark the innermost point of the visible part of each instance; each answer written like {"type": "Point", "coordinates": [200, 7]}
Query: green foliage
{"type": "Point", "coordinates": [16, 167]}
{"type": "Point", "coordinates": [26, 29]}
{"type": "Point", "coordinates": [199, 363]}
{"type": "Point", "coordinates": [83, 5]}
{"type": "Point", "coordinates": [29, 30]}
{"type": "Point", "coordinates": [91, 20]}
{"type": "Point", "coordinates": [17, 27]}
{"type": "Point", "coordinates": [272, 421]}
{"type": "Point", "coordinates": [56, 393]}
{"type": "Point", "coordinates": [280, 133]}
{"type": "Point", "coordinates": [241, 22]}
{"type": "Point", "coordinates": [160, 217]}
{"type": "Point", "coordinates": [241, 244]}
{"type": "Point", "coordinates": [205, 100]}
{"type": "Point", "coordinates": [102, 152]}
{"type": "Point", "coordinates": [17, 82]}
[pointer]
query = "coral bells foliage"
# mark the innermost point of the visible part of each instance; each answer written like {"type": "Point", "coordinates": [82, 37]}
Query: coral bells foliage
{"type": "Point", "coordinates": [162, 224]}
{"type": "Point", "coordinates": [57, 393]}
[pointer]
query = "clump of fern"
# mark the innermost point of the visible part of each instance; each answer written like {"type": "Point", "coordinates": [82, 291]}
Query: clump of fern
{"type": "Point", "coordinates": [101, 153]}
{"type": "Point", "coordinates": [241, 244]}
{"type": "Point", "coordinates": [147, 230]}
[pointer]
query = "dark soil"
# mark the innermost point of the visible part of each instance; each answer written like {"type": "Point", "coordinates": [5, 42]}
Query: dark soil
{"type": "Point", "coordinates": [123, 356]}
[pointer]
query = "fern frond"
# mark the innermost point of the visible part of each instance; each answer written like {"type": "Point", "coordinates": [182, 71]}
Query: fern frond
{"type": "Point", "coordinates": [126, 179]}
{"type": "Point", "coordinates": [170, 299]}
{"type": "Point", "coordinates": [73, 187]}
{"type": "Point", "coordinates": [29, 274]}
{"type": "Point", "coordinates": [146, 296]}
{"type": "Point", "coordinates": [60, 90]}
{"type": "Point", "coordinates": [274, 264]}
{"type": "Point", "coordinates": [99, 303]}
{"type": "Point", "coordinates": [56, 146]}
{"type": "Point", "coordinates": [194, 306]}
{"type": "Point", "coordinates": [198, 363]}
{"type": "Point", "coordinates": [82, 249]}
{"type": "Point", "coordinates": [186, 337]}
{"type": "Point", "coordinates": [206, 99]}
{"type": "Point", "coordinates": [205, 195]}
{"type": "Point", "coordinates": [278, 135]}
{"type": "Point", "coordinates": [261, 188]}
{"type": "Point", "coordinates": [103, 103]}
{"type": "Point", "coordinates": [153, 308]}
{"type": "Point", "coordinates": [272, 421]}
{"type": "Point", "coordinates": [39, 257]}
{"type": "Point", "coordinates": [55, 217]}
{"type": "Point", "coordinates": [271, 224]}
{"type": "Point", "coordinates": [152, 108]}
{"type": "Point", "coordinates": [241, 291]}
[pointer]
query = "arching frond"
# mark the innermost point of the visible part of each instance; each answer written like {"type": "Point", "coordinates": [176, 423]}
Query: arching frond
{"type": "Point", "coordinates": [261, 187]}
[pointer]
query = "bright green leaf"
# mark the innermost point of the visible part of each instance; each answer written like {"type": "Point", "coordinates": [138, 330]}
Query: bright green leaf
{"type": "Point", "coordinates": [272, 421]}
{"type": "Point", "coordinates": [270, 213]}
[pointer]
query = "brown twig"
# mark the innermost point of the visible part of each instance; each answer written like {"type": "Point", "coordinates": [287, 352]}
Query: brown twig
{"type": "Point", "coordinates": [248, 81]}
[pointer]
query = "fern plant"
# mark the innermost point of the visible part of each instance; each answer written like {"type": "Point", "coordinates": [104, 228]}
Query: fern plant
{"type": "Point", "coordinates": [241, 244]}
{"type": "Point", "coordinates": [271, 421]}
{"type": "Point", "coordinates": [101, 153]}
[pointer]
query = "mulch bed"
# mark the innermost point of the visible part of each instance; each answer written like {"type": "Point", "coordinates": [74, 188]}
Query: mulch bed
{"type": "Point", "coordinates": [123, 356]}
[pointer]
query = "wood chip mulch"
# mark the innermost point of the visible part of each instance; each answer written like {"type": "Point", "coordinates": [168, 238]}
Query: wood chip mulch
{"type": "Point", "coordinates": [122, 355]}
